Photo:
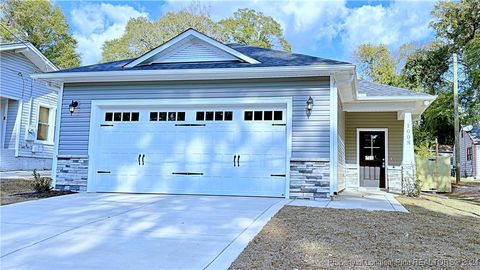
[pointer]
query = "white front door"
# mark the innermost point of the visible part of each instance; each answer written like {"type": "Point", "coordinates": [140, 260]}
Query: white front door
{"type": "Point", "coordinates": [218, 150]}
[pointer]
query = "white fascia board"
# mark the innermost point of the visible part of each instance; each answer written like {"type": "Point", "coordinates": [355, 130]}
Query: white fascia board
{"type": "Point", "coordinates": [191, 32]}
{"type": "Point", "coordinates": [397, 98]}
{"type": "Point", "coordinates": [194, 74]}
{"type": "Point", "coordinates": [9, 47]}
{"type": "Point", "coordinates": [359, 106]}
{"type": "Point", "coordinates": [415, 106]}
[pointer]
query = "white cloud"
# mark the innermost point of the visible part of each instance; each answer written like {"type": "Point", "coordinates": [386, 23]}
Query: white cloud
{"type": "Point", "coordinates": [312, 27]}
{"type": "Point", "coordinates": [93, 24]}
{"type": "Point", "coordinates": [402, 22]}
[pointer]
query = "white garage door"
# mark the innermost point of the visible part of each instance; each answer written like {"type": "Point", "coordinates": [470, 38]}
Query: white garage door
{"type": "Point", "coordinates": [222, 150]}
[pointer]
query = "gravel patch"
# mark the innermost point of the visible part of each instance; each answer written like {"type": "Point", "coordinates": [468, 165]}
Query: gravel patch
{"type": "Point", "coordinates": [432, 235]}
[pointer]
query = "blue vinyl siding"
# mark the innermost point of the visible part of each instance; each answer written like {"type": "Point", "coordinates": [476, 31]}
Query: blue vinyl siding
{"type": "Point", "coordinates": [310, 136]}
{"type": "Point", "coordinates": [15, 82]}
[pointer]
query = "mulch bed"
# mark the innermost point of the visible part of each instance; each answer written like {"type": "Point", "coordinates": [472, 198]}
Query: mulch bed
{"type": "Point", "coordinates": [430, 236]}
{"type": "Point", "coordinates": [14, 191]}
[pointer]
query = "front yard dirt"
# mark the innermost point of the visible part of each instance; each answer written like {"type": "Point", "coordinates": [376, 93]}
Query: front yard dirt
{"type": "Point", "coordinates": [435, 234]}
{"type": "Point", "coordinates": [13, 191]}
{"type": "Point", "coordinates": [468, 190]}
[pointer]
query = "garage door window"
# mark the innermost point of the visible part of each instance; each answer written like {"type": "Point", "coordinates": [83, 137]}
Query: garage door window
{"type": "Point", "coordinates": [263, 115]}
{"type": "Point", "coordinates": [214, 116]}
{"type": "Point", "coordinates": [122, 116]}
{"type": "Point", "coordinates": [167, 116]}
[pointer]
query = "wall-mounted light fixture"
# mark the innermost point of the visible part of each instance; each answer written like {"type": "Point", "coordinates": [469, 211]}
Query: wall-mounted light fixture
{"type": "Point", "coordinates": [72, 107]}
{"type": "Point", "coordinates": [309, 107]}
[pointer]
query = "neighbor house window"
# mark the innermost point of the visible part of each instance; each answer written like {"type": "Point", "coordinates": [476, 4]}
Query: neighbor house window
{"type": "Point", "coordinates": [469, 153]}
{"type": "Point", "coordinates": [45, 124]}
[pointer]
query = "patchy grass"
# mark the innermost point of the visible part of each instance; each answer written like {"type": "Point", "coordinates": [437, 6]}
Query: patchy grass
{"type": "Point", "coordinates": [432, 235]}
{"type": "Point", "coordinates": [14, 191]}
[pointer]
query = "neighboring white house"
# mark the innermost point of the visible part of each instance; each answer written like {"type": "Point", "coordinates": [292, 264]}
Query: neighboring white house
{"type": "Point", "coordinates": [27, 108]}
{"type": "Point", "coordinates": [196, 116]}
{"type": "Point", "coordinates": [470, 151]}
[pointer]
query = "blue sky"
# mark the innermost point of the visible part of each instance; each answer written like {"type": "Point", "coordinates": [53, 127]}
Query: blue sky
{"type": "Point", "coordinates": [330, 29]}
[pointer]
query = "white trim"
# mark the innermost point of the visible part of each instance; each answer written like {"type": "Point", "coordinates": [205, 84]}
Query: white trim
{"type": "Point", "coordinates": [95, 121]}
{"type": "Point", "coordinates": [289, 102]}
{"type": "Point", "coordinates": [58, 118]}
{"type": "Point", "coordinates": [378, 106]}
{"type": "Point", "coordinates": [186, 34]}
{"type": "Point", "coordinates": [397, 98]}
{"type": "Point", "coordinates": [196, 74]}
{"type": "Point", "coordinates": [9, 97]}
{"type": "Point", "coordinates": [51, 124]}
{"type": "Point", "coordinates": [386, 153]}
{"type": "Point", "coordinates": [18, 127]}
{"type": "Point", "coordinates": [4, 123]}
{"type": "Point", "coordinates": [333, 136]}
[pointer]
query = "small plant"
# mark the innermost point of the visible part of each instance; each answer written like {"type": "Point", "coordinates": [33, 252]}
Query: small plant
{"type": "Point", "coordinates": [411, 185]}
{"type": "Point", "coordinates": [41, 184]}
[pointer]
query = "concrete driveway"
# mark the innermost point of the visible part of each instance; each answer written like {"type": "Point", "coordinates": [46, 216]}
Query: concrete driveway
{"type": "Point", "coordinates": [125, 231]}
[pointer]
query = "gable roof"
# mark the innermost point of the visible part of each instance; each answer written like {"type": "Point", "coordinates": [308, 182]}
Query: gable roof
{"type": "Point", "coordinates": [32, 53]}
{"type": "Point", "coordinates": [474, 133]}
{"type": "Point", "coordinates": [192, 34]}
{"type": "Point", "coordinates": [368, 89]}
{"type": "Point", "coordinates": [266, 57]}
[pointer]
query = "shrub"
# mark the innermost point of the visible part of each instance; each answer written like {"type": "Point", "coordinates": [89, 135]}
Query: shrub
{"type": "Point", "coordinates": [41, 184]}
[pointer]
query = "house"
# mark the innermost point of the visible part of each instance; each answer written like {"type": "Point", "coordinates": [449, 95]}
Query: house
{"type": "Point", "coordinates": [195, 116]}
{"type": "Point", "coordinates": [27, 108]}
{"type": "Point", "coordinates": [470, 151]}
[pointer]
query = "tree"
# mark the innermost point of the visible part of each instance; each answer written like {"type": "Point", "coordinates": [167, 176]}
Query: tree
{"type": "Point", "coordinates": [457, 23]}
{"type": "Point", "coordinates": [425, 68]}
{"type": "Point", "coordinates": [43, 24]}
{"type": "Point", "coordinates": [251, 27]}
{"type": "Point", "coordinates": [142, 35]}
{"type": "Point", "coordinates": [376, 63]}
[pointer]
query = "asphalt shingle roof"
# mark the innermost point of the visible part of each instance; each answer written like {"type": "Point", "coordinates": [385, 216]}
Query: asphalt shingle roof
{"type": "Point", "coordinates": [475, 133]}
{"type": "Point", "coordinates": [267, 57]}
{"type": "Point", "coordinates": [371, 89]}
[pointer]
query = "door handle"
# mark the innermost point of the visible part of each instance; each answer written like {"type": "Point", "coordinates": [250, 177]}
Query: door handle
{"type": "Point", "coordinates": [143, 159]}
{"type": "Point", "coordinates": [139, 156]}
{"type": "Point", "coordinates": [234, 157]}
{"type": "Point", "coordinates": [238, 161]}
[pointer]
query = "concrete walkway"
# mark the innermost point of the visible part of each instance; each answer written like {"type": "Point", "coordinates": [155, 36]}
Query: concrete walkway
{"type": "Point", "coordinates": [371, 201]}
{"type": "Point", "coordinates": [130, 231]}
{"type": "Point", "coordinates": [7, 175]}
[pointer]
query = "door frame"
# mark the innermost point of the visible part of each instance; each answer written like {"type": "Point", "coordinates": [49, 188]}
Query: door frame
{"type": "Point", "coordinates": [97, 105]}
{"type": "Point", "coordinates": [4, 113]}
{"type": "Point", "coordinates": [385, 130]}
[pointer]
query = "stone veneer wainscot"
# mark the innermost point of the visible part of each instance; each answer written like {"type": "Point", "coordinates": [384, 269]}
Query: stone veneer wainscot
{"type": "Point", "coordinates": [309, 179]}
{"type": "Point", "coordinates": [72, 172]}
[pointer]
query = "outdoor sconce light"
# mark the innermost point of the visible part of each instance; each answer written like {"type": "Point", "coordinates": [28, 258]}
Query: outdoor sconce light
{"type": "Point", "coordinates": [72, 107]}
{"type": "Point", "coordinates": [309, 106]}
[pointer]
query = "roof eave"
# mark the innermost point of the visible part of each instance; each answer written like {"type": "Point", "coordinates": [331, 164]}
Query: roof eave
{"type": "Point", "coordinates": [195, 74]}
{"type": "Point", "coordinates": [32, 53]}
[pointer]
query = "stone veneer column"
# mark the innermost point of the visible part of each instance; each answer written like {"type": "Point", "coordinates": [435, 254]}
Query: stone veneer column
{"type": "Point", "coordinates": [309, 179]}
{"type": "Point", "coordinates": [72, 173]}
